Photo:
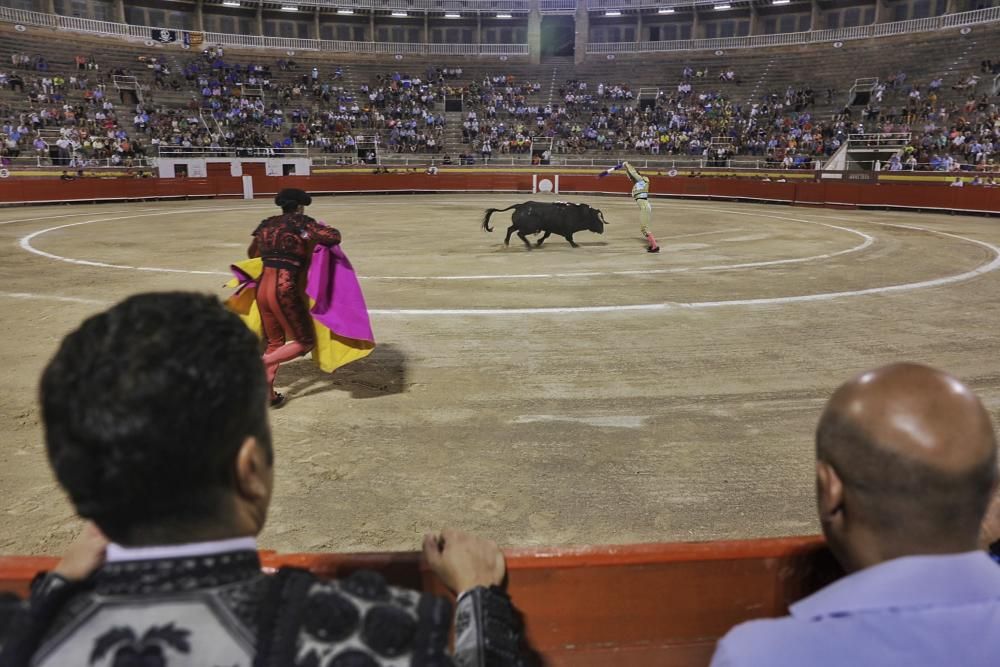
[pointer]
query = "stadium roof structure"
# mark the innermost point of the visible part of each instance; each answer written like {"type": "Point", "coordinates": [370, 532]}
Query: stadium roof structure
{"type": "Point", "coordinates": [508, 6]}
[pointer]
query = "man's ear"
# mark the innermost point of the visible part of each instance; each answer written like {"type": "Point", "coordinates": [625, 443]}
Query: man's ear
{"type": "Point", "coordinates": [253, 471]}
{"type": "Point", "coordinates": [829, 493]}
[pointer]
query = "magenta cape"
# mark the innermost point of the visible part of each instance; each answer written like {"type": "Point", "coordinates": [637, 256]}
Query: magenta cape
{"type": "Point", "coordinates": [339, 314]}
{"type": "Point", "coordinates": [339, 304]}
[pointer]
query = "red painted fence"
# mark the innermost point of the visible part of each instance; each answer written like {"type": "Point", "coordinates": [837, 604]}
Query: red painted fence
{"type": "Point", "coordinates": [631, 606]}
{"type": "Point", "coordinates": [929, 193]}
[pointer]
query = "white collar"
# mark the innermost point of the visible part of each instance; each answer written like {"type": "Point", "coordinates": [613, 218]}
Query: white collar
{"type": "Point", "coordinates": [117, 553]}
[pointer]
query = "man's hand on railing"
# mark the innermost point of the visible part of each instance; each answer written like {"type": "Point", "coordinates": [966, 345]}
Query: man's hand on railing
{"type": "Point", "coordinates": [463, 561]}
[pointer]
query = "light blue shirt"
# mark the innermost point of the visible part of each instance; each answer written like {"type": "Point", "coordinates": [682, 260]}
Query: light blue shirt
{"type": "Point", "coordinates": [917, 611]}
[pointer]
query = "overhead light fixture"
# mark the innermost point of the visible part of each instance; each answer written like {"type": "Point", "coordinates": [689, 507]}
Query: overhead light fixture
{"type": "Point", "coordinates": [289, 8]}
{"type": "Point", "coordinates": [665, 11]}
{"type": "Point", "coordinates": [231, 3]}
{"type": "Point", "coordinates": [453, 16]}
{"type": "Point", "coordinates": [613, 12]}
{"type": "Point", "coordinates": [400, 14]}
{"type": "Point", "coordinates": [780, 2]}
{"type": "Point", "coordinates": [722, 8]}
{"type": "Point", "coordinates": [504, 16]}
{"type": "Point", "coordinates": [345, 11]}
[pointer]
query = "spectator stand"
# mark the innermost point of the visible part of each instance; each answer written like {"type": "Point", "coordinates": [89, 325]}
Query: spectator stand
{"type": "Point", "coordinates": [646, 98]}
{"type": "Point", "coordinates": [541, 150]}
{"type": "Point", "coordinates": [861, 91]}
{"type": "Point", "coordinates": [255, 91]}
{"type": "Point", "coordinates": [129, 84]}
{"type": "Point", "coordinates": [720, 152]}
{"type": "Point", "coordinates": [861, 152]}
{"type": "Point", "coordinates": [368, 149]}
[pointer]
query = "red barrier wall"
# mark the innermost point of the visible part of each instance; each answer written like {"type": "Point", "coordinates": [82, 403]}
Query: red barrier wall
{"type": "Point", "coordinates": [931, 195]}
{"type": "Point", "coordinates": [631, 605]}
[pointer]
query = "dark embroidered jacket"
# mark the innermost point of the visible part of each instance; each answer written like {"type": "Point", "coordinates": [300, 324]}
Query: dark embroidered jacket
{"type": "Point", "coordinates": [222, 611]}
{"type": "Point", "coordinates": [285, 241]}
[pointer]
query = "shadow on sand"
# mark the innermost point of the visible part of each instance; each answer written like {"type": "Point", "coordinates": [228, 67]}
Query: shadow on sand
{"type": "Point", "coordinates": [382, 373]}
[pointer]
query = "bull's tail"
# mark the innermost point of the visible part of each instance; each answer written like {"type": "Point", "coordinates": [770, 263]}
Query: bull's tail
{"type": "Point", "coordinates": [491, 211]}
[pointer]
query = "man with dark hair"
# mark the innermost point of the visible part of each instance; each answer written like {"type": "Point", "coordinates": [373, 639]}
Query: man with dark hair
{"type": "Point", "coordinates": [156, 425]}
{"type": "Point", "coordinates": [285, 243]}
{"type": "Point", "coordinates": [906, 463]}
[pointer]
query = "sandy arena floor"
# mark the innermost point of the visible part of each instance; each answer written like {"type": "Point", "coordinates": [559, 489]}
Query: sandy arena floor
{"type": "Point", "coordinates": [558, 396]}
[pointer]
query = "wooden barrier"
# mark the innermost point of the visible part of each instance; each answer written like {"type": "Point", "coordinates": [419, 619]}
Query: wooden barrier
{"type": "Point", "coordinates": [928, 192]}
{"type": "Point", "coordinates": [633, 605]}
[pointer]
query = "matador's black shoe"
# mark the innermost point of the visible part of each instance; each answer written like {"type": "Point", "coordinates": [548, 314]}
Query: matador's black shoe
{"type": "Point", "coordinates": [652, 249]}
{"type": "Point", "coordinates": [277, 400]}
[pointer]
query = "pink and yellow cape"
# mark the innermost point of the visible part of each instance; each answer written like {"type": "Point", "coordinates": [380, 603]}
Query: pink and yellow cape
{"type": "Point", "coordinates": [337, 306]}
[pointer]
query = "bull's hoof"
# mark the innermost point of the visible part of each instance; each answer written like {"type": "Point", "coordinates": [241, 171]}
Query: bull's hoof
{"type": "Point", "coordinates": [538, 244]}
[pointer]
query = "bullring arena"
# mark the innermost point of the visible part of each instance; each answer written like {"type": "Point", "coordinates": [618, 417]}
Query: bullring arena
{"type": "Point", "coordinates": [564, 396]}
{"type": "Point", "coordinates": [634, 429]}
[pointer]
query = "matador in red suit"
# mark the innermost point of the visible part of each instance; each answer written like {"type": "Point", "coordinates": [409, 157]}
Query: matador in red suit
{"type": "Point", "coordinates": [285, 243]}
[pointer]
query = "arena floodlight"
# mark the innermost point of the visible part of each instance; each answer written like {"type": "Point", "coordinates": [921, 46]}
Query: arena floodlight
{"type": "Point", "coordinates": [613, 12]}
{"type": "Point", "coordinates": [345, 11]}
{"type": "Point", "coordinates": [665, 10]}
{"type": "Point", "coordinates": [231, 3]}
{"type": "Point", "coordinates": [400, 14]}
{"type": "Point", "coordinates": [504, 16]}
{"type": "Point", "coordinates": [722, 8]}
{"type": "Point", "coordinates": [289, 8]}
{"type": "Point", "coordinates": [453, 16]}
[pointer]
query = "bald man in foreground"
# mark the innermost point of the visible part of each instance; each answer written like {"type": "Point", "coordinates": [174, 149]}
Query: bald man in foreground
{"type": "Point", "coordinates": [906, 462]}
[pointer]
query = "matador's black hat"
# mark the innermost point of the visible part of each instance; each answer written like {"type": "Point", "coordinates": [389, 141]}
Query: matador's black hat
{"type": "Point", "coordinates": [293, 196]}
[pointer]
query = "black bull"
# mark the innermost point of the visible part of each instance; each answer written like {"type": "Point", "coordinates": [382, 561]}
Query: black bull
{"type": "Point", "coordinates": [565, 220]}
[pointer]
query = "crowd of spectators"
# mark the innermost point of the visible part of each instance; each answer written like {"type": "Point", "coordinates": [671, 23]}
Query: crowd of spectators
{"type": "Point", "coordinates": [249, 105]}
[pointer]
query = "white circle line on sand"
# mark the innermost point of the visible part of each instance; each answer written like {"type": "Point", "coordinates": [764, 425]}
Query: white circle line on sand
{"type": "Point", "coordinates": [67, 215]}
{"type": "Point", "coordinates": [937, 282]}
{"type": "Point", "coordinates": [867, 240]}
{"type": "Point", "coordinates": [25, 242]}
{"type": "Point", "coordinates": [28, 296]}
{"type": "Point", "coordinates": [992, 265]}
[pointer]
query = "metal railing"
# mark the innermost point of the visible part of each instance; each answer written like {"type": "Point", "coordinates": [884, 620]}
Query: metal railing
{"type": "Point", "coordinates": [639, 162]}
{"type": "Point", "coordinates": [557, 6]}
{"type": "Point", "coordinates": [980, 16]}
{"type": "Point", "coordinates": [77, 162]}
{"type": "Point", "coordinates": [596, 5]}
{"type": "Point", "coordinates": [176, 152]}
{"type": "Point", "coordinates": [475, 6]}
{"type": "Point", "coordinates": [133, 32]}
{"type": "Point", "coordinates": [886, 140]}
{"type": "Point", "coordinates": [989, 15]}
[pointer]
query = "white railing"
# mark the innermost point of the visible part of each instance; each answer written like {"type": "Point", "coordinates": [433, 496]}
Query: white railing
{"type": "Point", "coordinates": [640, 162]}
{"type": "Point", "coordinates": [879, 140]}
{"type": "Point", "coordinates": [594, 5]}
{"type": "Point", "coordinates": [10, 15]}
{"type": "Point", "coordinates": [989, 15]}
{"type": "Point", "coordinates": [485, 6]}
{"type": "Point", "coordinates": [226, 151]}
{"type": "Point", "coordinates": [980, 16]}
{"type": "Point", "coordinates": [557, 6]}
{"type": "Point", "coordinates": [78, 162]}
